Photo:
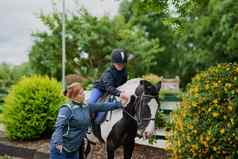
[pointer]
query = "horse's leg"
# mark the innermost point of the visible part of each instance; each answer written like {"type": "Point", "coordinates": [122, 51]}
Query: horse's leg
{"type": "Point", "coordinates": [110, 152]}
{"type": "Point", "coordinates": [110, 149]}
{"type": "Point", "coordinates": [86, 149]}
{"type": "Point", "coordinates": [128, 148]}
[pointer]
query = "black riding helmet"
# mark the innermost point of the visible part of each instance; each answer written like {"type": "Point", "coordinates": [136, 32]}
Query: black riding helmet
{"type": "Point", "coordinates": [119, 56]}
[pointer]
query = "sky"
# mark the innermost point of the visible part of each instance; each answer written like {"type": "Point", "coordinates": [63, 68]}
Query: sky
{"type": "Point", "coordinates": [18, 19]}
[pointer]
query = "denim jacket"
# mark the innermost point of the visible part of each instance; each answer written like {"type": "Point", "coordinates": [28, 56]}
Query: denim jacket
{"type": "Point", "coordinates": [73, 121]}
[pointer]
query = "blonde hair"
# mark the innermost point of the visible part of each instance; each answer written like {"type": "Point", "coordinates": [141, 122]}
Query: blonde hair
{"type": "Point", "coordinates": [73, 92]}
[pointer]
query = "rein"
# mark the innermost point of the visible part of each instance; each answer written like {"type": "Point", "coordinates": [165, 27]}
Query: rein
{"type": "Point", "coordinates": [140, 104]}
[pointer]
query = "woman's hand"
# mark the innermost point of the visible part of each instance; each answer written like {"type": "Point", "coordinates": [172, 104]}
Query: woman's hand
{"type": "Point", "coordinates": [59, 147]}
{"type": "Point", "coordinates": [124, 97]}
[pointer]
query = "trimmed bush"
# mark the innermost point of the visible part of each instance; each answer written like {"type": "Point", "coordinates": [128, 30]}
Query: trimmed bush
{"type": "Point", "coordinates": [31, 107]}
{"type": "Point", "coordinates": [206, 126]}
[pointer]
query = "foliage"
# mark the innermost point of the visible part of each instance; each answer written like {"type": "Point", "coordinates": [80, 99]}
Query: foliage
{"type": "Point", "coordinates": [160, 120]}
{"type": "Point", "coordinates": [3, 93]}
{"type": "Point", "coordinates": [153, 17]}
{"type": "Point", "coordinates": [154, 79]}
{"type": "Point", "coordinates": [206, 34]}
{"type": "Point", "coordinates": [31, 107]}
{"type": "Point", "coordinates": [9, 74]}
{"type": "Point", "coordinates": [169, 38]}
{"type": "Point", "coordinates": [89, 42]}
{"type": "Point", "coordinates": [1, 117]}
{"type": "Point", "coordinates": [1, 108]}
{"type": "Point", "coordinates": [206, 125]}
{"type": "Point", "coordinates": [6, 75]}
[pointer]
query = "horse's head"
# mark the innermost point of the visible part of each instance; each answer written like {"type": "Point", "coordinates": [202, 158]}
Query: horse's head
{"type": "Point", "coordinates": [147, 104]}
{"type": "Point", "coordinates": [147, 88]}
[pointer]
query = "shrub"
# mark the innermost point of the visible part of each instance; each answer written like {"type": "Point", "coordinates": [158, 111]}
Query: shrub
{"type": "Point", "coordinates": [160, 120]}
{"type": "Point", "coordinates": [3, 93]}
{"type": "Point", "coordinates": [1, 107]}
{"type": "Point", "coordinates": [206, 126]}
{"type": "Point", "coordinates": [154, 79]}
{"type": "Point", "coordinates": [31, 107]}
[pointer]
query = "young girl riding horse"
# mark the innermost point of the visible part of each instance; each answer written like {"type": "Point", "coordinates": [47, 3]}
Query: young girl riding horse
{"type": "Point", "coordinates": [114, 76]}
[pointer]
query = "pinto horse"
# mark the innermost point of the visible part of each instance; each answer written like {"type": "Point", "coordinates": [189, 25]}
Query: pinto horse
{"type": "Point", "coordinates": [123, 125]}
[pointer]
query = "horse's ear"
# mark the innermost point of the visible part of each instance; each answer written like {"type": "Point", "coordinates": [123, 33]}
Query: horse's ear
{"type": "Point", "coordinates": [158, 86]}
{"type": "Point", "coordinates": [142, 82]}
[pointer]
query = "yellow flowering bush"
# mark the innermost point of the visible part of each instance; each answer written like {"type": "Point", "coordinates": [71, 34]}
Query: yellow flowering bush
{"type": "Point", "coordinates": [152, 78]}
{"type": "Point", "coordinates": [206, 125]}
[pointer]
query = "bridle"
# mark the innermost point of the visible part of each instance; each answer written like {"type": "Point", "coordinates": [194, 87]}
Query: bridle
{"type": "Point", "coordinates": [140, 102]}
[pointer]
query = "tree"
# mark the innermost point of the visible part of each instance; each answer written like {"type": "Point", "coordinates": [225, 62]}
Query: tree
{"type": "Point", "coordinates": [89, 42]}
{"type": "Point", "coordinates": [9, 74]}
{"type": "Point", "coordinates": [206, 34]}
{"type": "Point", "coordinates": [153, 17]}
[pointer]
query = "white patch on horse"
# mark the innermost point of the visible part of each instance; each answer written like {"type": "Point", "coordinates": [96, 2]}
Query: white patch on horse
{"type": "Point", "coordinates": [106, 126]}
{"type": "Point", "coordinates": [130, 86]}
{"type": "Point", "coordinates": [151, 126]}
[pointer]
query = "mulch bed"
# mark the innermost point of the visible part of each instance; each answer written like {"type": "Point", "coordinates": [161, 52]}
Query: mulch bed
{"type": "Point", "coordinates": [38, 149]}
